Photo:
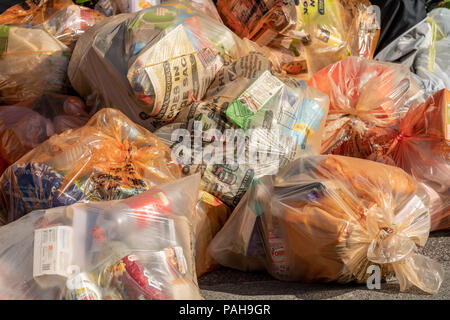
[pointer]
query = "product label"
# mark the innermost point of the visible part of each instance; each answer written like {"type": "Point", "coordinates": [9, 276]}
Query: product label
{"type": "Point", "coordinates": [82, 287]}
{"type": "Point", "coordinates": [52, 251]}
{"type": "Point", "coordinates": [138, 5]}
{"type": "Point", "coordinates": [307, 121]}
{"type": "Point", "coordinates": [175, 258]}
{"type": "Point", "coordinates": [254, 98]}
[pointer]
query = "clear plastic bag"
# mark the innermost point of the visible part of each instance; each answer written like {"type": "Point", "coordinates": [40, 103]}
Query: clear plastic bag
{"type": "Point", "coordinates": [60, 18]}
{"type": "Point", "coordinates": [26, 58]}
{"type": "Point", "coordinates": [273, 24]}
{"type": "Point", "coordinates": [153, 63]}
{"type": "Point", "coordinates": [113, 7]}
{"type": "Point", "coordinates": [364, 94]}
{"type": "Point", "coordinates": [28, 124]}
{"type": "Point", "coordinates": [306, 37]}
{"type": "Point", "coordinates": [338, 28]}
{"type": "Point", "coordinates": [33, 12]}
{"type": "Point", "coordinates": [282, 119]}
{"type": "Point", "coordinates": [210, 216]}
{"type": "Point", "coordinates": [107, 159]}
{"type": "Point", "coordinates": [329, 218]}
{"type": "Point", "coordinates": [36, 40]}
{"type": "Point", "coordinates": [425, 49]}
{"type": "Point", "coordinates": [421, 146]}
{"type": "Point", "coordinates": [139, 248]}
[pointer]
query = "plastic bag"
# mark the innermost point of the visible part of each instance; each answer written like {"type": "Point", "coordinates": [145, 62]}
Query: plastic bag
{"type": "Point", "coordinates": [153, 63]}
{"type": "Point", "coordinates": [139, 248]}
{"type": "Point", "coordinates": [109, 158]}
{"type": "Point", "coordinates": [32, 12]}
{"type": "Point", "coordinates": [249, 124]}
{"type": "Point", "coordinates": [306, 37]}
{"type": "Point", "coordinates": [329, 218]}
{"type": "Point", "coordinates": [425, 49]}
{"type": "Point", "coordinates": [272, 24]}
{"type": "Point", "coordinates": [60, 18]}
{"type": "Point", "coordinates": [397, 17]}
{"type": "Point", "coordinates": [338, 29]}
{"type": "Point", "coordinates": [26, 56]}
{"type": "Point", "coordinates": [210, 216]}
{"type": "Point", "coordinates": [28, 124]}
{"type": "Point", "coordinates": [363, 94]}
{"type": "Point", "coordinates": [113, 7]}
{"type": "Point", "coordinates": [421, 147]}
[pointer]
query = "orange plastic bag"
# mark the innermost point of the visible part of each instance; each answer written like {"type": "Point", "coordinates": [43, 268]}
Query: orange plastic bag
{"type": "Point", "coordinates": [109, 158]}
{"type": "Point", "coordinates": [421, 147]}
{"type": "Point", "coordinates": [330, 218]}
{"type": "Point", "coordinates": [210, 216]}
{"type": "Point", "coordinates": [364, 94]}
{"type": "Point", "coordinates": [28, 124]}
{"type": "Point", "coordinates": [61, 18]}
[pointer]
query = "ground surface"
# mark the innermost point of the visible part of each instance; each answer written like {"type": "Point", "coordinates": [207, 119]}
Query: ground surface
{"type": "Point", "coordinates": [235, 285]}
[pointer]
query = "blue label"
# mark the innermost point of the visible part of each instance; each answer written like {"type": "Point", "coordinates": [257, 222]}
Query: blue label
{"type": "Point", "coordinates": [307, 121]}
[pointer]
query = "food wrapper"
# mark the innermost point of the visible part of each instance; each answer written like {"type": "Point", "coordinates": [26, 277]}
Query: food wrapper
{"type": "Point", "coordinates": [138, 248]}
{"type": "Point", "coordinates": [109, 158]}
{"type": "Point", "coordinates": [421, 146]}
{"type": "Point", "coordinates": [330, 218]}
{"type": "Point", "coordinates": [28, 124]}
{"type": "Point", "coordinates": [153, 63]}
{"type": "Point", "coordinates": [364, 94]}
{"type": "Point", "coordinates": [281, 118]}
{"type": "Point", "coordinates": [26, 56]}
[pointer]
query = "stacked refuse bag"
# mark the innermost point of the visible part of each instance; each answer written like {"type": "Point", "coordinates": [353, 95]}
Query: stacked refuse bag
{"type": "Point", "coordinates": [146, 143]}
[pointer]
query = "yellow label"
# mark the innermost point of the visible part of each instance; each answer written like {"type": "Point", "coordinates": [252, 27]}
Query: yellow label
{"type": "Point", "coordinates": [303, 128]}
{"type": "Point", "coordinates": [210, 199]}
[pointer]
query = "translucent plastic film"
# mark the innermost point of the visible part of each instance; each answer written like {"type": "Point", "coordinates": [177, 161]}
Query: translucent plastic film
{"type": "Point", "coordinates": [109, 158]}
{"type": "Point", "coordinates": [113, 7]}
{"type": "Point", "coordinates": [25, 125]}
{"type": "Point", "coordinates": [421, 147]}
{"type": "Point", "coordinates": [364, 94]}
{"type": "Point", "coordinates": [135, 249]}
{"type": "Point", "coordinates": [26, 56]}
{"type": "Point", "coordinates": [151, 64]}
{"type": "Point", "coordinates": [249, 124]}
{"type": "Point", "coordinates": [60, 18]}
{"type": "Point", "coordinates": [330, 218]}
{"type": "Point", "coordinates": [307, 36]}
{"type": "Point", "coordinates": [338, 28]}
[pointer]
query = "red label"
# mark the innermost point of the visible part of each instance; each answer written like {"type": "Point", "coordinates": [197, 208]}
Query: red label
{"type": "Point", "coordinates": [150, 203]}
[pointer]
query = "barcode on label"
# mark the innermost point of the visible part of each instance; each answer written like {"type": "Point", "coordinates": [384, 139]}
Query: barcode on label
{"type": "Point", "coordinates": [52, 251]}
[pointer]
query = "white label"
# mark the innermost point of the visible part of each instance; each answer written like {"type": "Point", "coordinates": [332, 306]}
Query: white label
{"type": "Point", "coordinates": [52, 251]}
{"type": "Point", "coordinates": [262, 90]}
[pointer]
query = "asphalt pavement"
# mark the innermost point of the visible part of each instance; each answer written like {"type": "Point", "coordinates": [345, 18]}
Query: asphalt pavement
{"type": "Point", "coordinates": [231, 284]}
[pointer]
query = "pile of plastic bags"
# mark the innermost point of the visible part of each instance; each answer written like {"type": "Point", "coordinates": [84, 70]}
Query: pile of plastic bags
{"type": "Point", "coordinates": [146, 143]}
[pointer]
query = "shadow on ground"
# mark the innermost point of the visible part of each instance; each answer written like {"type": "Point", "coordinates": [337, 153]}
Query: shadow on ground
{"type": "Point", "coordinates": [226, 283]}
